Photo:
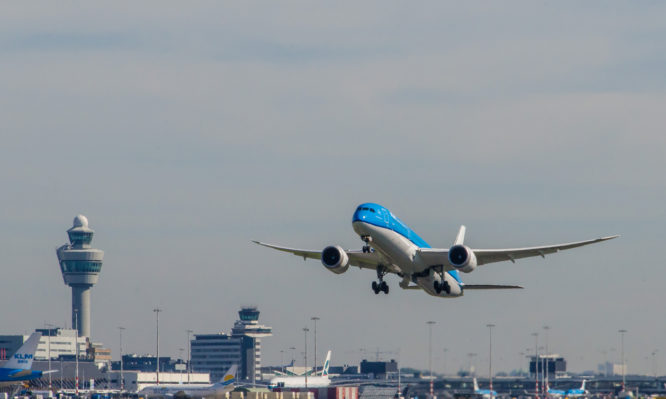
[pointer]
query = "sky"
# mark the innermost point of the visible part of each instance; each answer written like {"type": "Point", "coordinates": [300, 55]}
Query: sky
{"type": "Point", "coordinates": [184, 131]}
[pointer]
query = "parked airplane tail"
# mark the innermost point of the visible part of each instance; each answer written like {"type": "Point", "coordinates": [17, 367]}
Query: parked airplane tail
{"type": "Point", "coordinates": [22, 358]}
{"type": "Point", "coordinates": [582, 387]}
{"type": "Point", "coordinates": [476, 384]}
{"type": "Point", "coordinates": [229, 377]}
{"type": "Point", "coordinates": [324, 371]}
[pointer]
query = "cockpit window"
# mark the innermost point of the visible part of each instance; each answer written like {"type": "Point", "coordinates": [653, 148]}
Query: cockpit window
{"type": "Point", "coordinates": [372, 210]}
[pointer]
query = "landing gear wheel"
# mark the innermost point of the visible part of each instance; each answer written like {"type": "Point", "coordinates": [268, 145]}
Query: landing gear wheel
{"type": "Point", "coordinates": [438, 287]}
{"type": "Point", "coordinates": [375, 287]}
{"type": "Point", "coordinates": [380, 284]}
{"type": "Point", "coordinates": [366, 249]}
{"type": "Point", "coordinates": [446, 287]}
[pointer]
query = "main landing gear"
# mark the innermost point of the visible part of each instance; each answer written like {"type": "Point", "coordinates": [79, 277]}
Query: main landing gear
{"type": "Point", "coordinates": [380, 285]}
{"type": "Point", "coordinates": [443, 286]}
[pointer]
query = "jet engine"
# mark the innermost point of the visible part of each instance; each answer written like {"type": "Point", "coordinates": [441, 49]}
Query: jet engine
{"type": "Point", "coordinates": [462, 258]}
{"type": "Point", "coordinates": [335, 259]}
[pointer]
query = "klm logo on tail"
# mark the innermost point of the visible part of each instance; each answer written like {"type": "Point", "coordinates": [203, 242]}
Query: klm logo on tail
{"type": "Point", "coordinates": [18, 367]}
{"type": "Point", "coordinates": [23, 358]}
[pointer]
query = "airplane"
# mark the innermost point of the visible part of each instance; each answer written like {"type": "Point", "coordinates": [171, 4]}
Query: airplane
{"type": "Point", "coordinates": [199, 391]}
{"type": "Point", "coordinates": [558, 393]}
{"type": "Point", "coordinates": [577, 392]}
{"type": "Point", "coordinates": [299, 381]}
{"type": "Point", "coordinates": [19, 366]}
{"type": "Point", "coordinates": [484, 393]}
{"type": "Point", "coordinates": [392, 247]}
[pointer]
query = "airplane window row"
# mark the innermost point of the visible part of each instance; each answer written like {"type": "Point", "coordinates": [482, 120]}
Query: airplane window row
{"type": "Point", "coordinates": [365, 209]}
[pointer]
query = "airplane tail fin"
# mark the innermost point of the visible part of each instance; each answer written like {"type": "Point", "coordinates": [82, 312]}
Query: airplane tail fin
{"type": "Point", "coordinates": [22, 358]}
{"type": "Point", "coordinates": [460, 238]}
{"type": "Point", "coordinates": [582, 386]}
{"type": "Point", "coordinates": [229, 377]}
{"type": "Point", "coordinates": [476, 384]}
{"type": "Point", "coordinates": [324, 371]}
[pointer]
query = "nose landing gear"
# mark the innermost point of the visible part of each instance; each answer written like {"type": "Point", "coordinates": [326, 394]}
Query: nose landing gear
{"type": "Point", "coordinates": [367, 240]}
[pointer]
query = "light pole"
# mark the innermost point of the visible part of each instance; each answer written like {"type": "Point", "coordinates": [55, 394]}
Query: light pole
{"type": "Point", "coordinates": [120, 350]}
{"type": "Point", "coordinates": [444, 367]}
{"type": "Point", "coordinates": [471, 357]}
{"type": "Point", "coordinates": [157, 311]}
{"type": "Point", "coordinates": [189, 355]}
{"type": "Point", "coordinates": [76, 343]}
{"type": "Point", "coordinates": [305, 331]}
{"type": "Point", "coordinates": [282, 360]}
{"type": "Point", "coordinates": [49, 326]}
{"type": "Point", "coordinates": [624, 367]}
{"type": "Point", "coordinates": [536, 364]}
{"type": "Point", "coordinates": [490, 356]}
{"type": "Point", "coordinates": [546, 369]}
{"type": "Point", "coordinates": [315, 318]}
{"type": "Point", "coordinates": [654, 362]}
{"type": "Point", "coordinates": [180, 354]}
{"type": "Point", "coordinates": [430, 323]}
{"type": "Point", "coordinates": [293, 356]}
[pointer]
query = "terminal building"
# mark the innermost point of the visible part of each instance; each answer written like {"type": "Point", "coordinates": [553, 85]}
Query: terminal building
{"type": "Point", "coordinates": [215, 353]}
{"type": "Point", "coordinates": [57, 343]}
{"type": "Point", "coordinates": [552, 365]}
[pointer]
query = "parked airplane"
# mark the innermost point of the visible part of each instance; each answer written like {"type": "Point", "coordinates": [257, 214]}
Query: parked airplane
{"type": "Point", "coordinates": [195, 391]}
{"type": "Point", "coordinates": [485, 393]}
{"type": "Point", "coordinates": [577, 392]}
{"type": "Point", "coordinates": [392, 247]}
{"type": "Point", "coordinates": [19, 366]}
{"type": "Point", "coordinates": [300, 381]}
{"type": "Point", "coordinates": [558, 393]}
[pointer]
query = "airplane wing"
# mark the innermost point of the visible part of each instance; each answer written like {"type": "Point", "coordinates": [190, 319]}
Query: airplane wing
{"type": "Point", "coordinates": [433, 256]}
{"type": "Point", "coordinates": [365, 260]}
{"type": "Point", "coordinates": [484, 256]}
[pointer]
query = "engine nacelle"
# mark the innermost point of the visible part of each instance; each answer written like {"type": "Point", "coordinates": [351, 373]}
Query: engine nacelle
{"type": "Point", "coordinates": [335, 259]}
{"type": "Point", "coordinates": [462, 258]}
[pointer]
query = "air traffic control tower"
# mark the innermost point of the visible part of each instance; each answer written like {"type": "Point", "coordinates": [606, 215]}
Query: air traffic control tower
{"type": "Point", "coordinates": [80, 265]}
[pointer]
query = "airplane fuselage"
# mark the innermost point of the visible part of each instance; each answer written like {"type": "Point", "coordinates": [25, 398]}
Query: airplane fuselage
{"type": "Point", "coordinates": [299, 382]}
{"type": "Point", "coordinates": [190, 391]}
{"type": "Point", "coordinates": [398, 246]}
{"type": "Point", "coordinates": [10, 376]}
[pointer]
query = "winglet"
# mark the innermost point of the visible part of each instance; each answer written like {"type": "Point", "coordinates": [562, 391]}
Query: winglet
{"type": "Point", "coordinates": [460, 238]}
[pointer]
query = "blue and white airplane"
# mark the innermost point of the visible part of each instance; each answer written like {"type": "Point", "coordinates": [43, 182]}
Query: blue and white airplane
{"type": "Point", "coordinates": [577, 392]}
{"type": "Point", "coordinates": [558, 393]}
{"type": "Point", "coordinates": [19, 366]}
{"type": "Point", "coordinates": [484, 393]}
{"type": "Point", "coordinates": [392, 247]}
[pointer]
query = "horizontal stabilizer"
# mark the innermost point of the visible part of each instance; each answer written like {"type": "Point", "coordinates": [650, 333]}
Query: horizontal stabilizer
{"type": "Point", "coordinates": [490, 287]}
